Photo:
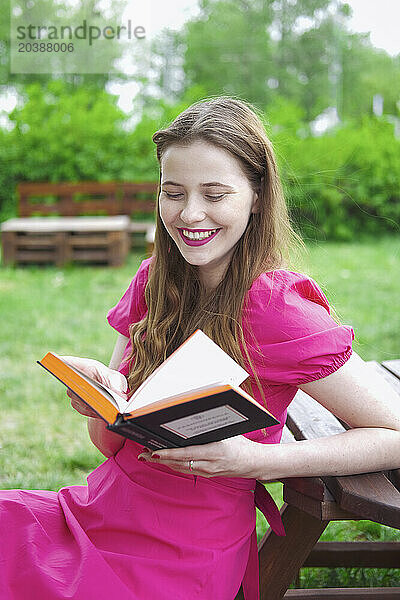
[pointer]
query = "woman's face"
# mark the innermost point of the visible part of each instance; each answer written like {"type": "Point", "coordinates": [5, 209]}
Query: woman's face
{"type": "Point", "coordinates": [205, 204]}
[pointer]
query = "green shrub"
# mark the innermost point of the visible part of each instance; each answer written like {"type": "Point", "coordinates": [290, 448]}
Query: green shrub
{"type": "Point", "coordinates": [345, 183]}
{"type": "Point", "coordinates": [61, 134]}
{"type": "Point", "coordinates": [340, 185]}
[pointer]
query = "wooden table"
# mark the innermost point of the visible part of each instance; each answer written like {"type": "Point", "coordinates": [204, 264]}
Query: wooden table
{"type": "Point", "coordinates": [54, 223]}
{"type": "Point", "coordinates": [60, 240]}
{"type": "Point", "coordinates": [312, 502]}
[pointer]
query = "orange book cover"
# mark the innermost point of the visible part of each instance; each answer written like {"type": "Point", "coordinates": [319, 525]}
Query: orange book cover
{"type": "Point", "coordinates": [204, 414]}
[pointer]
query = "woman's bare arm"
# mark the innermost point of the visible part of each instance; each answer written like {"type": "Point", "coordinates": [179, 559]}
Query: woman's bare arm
{"type": "Point", "coordinates": [354, 393]}
{"type": "Point", "coordinates": [365, 401]}
{"type": "Point", "coordinates": [106, 441]}
{"type": "Point", "coordinates": [118, 351]}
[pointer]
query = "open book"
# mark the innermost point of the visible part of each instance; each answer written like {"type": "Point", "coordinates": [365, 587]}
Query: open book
{"type": "Point", "coordinates": [193, 397]}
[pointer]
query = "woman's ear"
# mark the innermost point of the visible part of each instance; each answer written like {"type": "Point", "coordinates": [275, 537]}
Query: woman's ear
{"type": "Point", "coordinates": [255, 207]}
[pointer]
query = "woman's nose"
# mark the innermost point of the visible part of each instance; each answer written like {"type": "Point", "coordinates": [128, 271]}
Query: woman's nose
{"type": "Point", "coordinates": [192, 211]}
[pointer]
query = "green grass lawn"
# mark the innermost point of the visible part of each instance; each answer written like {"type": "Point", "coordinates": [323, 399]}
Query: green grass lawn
{"type": "Point", "coordinates": [43, 442]}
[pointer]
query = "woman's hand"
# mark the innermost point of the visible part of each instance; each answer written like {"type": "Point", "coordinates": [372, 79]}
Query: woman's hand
{"type": "Point", "coordinates": [234, 457]}
{"type": "Point", "coordinates": [99, 372]}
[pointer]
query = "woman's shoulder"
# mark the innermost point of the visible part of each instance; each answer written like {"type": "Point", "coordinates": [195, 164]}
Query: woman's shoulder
{"type": "Point", "coordinates": [290, 328]}
{"type": "Point", "coordinates": [132, 306]}
{"type": "Point", "coordinates": [138, 284]}
{"type": "Point", "coordinates": [282, 287]}
{"type": "Point", "coordinates": [142, 274]}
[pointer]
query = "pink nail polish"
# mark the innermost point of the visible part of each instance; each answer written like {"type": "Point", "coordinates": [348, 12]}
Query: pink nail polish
{"type": "Point", "coordinates": [155, 456]}
{"type": "Point", "coordinates": [141, 458]}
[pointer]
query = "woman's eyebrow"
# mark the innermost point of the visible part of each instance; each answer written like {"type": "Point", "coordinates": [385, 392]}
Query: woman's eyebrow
{"type": "Point", "coordinates": [170, 183]}
{"type": "Point", "coordinates": [208, 184]}
{"type": "Point", "coordinates": [217, 184]}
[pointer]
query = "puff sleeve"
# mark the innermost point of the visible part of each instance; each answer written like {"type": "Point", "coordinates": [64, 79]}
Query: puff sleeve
{"type": "Point", "coordinates": [295, 338]}
{"type": "Point", "coordinates": [132, 306]}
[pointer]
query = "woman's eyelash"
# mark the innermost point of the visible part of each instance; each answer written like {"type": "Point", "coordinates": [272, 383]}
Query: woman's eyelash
{"type": "Point", "coordinates": [209, 196]}
{"type": "Point", "coordinates": [169, 195]}
{"type": "Point", "coordinates": [215, 197]}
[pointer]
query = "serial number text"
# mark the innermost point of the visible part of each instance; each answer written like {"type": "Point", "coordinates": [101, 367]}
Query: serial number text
{"type": "Point", "coordinates": [45, 47]}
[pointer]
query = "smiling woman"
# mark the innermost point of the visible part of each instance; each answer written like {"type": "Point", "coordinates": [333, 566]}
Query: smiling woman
{"type": "Point", "coordinates": [180, 523]}
{"type": "Point", "coordinates": [209, 207]}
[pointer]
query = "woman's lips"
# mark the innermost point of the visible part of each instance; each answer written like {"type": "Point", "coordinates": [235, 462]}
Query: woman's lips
{"type": "Point", "coordinates": [190, 242]}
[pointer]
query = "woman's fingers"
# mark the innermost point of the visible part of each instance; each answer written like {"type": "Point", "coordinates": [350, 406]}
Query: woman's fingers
{"type": "Point", "coordinates": [113, 379]}
{"type": "Point", "coordinates": [80, 406]}
{"type": "Point", "coordinates": [99, 372]}
{"type": "Point", "coordinates": [199, 452]}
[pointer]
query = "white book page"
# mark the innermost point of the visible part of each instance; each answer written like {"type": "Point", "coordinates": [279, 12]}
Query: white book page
{"type": "Point", "coordinates": [118, 401]}
{"type": "Point", "coordinates": [196, 363]}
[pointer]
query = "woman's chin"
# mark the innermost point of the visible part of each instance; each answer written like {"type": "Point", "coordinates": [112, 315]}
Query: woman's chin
{"type": "Point", "coordinates": [194, 261]}
{"type": "Point", "coordinates": [194, 256]}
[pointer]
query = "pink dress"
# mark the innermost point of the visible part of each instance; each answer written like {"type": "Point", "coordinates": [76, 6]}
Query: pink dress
{"type": "Point", "coordinates": [139, 531]}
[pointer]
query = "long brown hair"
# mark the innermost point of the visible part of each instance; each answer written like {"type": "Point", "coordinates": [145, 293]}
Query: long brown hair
{"type": "Point", "coordinates": [176, 300]}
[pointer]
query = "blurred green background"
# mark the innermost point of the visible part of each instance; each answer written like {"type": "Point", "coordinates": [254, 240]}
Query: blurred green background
{"type": "Point", "coordinates": [330, 101]}
{"type": "Point", "coordinates": [329, 98]}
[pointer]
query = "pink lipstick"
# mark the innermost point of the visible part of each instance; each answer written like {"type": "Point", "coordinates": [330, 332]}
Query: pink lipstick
{"type": "Point", "coordinates": [191, 242]}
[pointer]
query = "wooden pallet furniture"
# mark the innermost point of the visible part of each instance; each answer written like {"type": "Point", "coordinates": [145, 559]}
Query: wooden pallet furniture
{"type": "Point", "coordinates": [51, 226]}
{"type": "Point", "coordinates": [67, 239]}
{"type": "Point", "coordinates": [310, 503]}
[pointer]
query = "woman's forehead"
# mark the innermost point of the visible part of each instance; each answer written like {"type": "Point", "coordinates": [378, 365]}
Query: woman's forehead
{"type": "Point", "coordinates": [200, 160]}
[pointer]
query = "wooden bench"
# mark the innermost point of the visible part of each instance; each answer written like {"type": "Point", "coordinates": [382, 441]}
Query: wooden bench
{"type": "Point", "coordinates": [61, 233]}
{"type": "Point", "coordinates": [310, 503]}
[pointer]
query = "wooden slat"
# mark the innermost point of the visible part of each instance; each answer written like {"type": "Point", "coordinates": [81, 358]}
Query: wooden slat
{"type": "Point", "coordinates": [308, 420]}
{"type": "Point", "coordinates": [393, 366]}
{"type": "Point", "coordinates": [8, 241]}
{"type": "Point", "coordinates": [117, 247]}
{"type": "Point", "coordinates": [145, 186]}
{"type": "Point", "coordinates": [323, 510]}
{"type": "Point", "coordinates": [46, 188]}
{"type": "Point", "coordinates": [107, 205]}
{"type": "Point", "coordinates": [100, 255]}
{"type": "Point", "coordinates": [71, 224]}
{"type": "Point", "coordinates": [140, 226]}
{"type": "Point", "coordinates": [76, 241]}
{"type": "Point", "coordinates": [132, 205]}
{"type": "Point", "coordinates": [372, 495]}
{"type": "Point", "coordinates": [394, 477]}
{"type": "Point", "coordinates": [72, 199]}
{"type": "Point", "coordinates": [336, 593]}
{"type": "Point", "coordinates": [282, 557]}
{"type": "Point", "coordinates": [309, 486]}
{"type": "Point", "coordinates": [387, 374]}
{"type": "Point", "coordinates": [354, 554]}
{"type": "Point", "coordinates": [33, 256]}
{"type": "Point", "coordinates": [26, 211]}
{"type": "Point", "coordinates": [287, 436]}
{"type": "Point", "coordinates": [36, 241]}
{"type": "Point", "coordinates": [63, 248]}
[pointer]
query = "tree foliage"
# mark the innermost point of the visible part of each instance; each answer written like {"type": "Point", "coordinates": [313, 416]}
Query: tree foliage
{"type": "Point", "coordinates": [260, 49]}
{"type": "Point", "coordinates": [61, 134]}
{"type": "Point", "coordinates": [292, 59]}
{"type": "Point", "coordinates": [344, 184]}
{"type": "Point", "coordinates": [56, 12]}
